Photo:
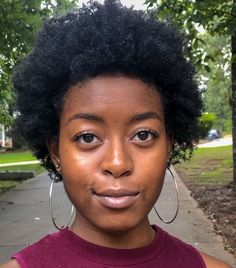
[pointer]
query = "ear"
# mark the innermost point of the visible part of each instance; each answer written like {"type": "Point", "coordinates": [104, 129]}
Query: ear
{"type": "Point", "coordinates": [53, 149]}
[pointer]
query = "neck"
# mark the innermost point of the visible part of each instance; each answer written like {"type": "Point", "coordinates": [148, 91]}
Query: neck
{"type": "Point", "coordinates": [138, 236]}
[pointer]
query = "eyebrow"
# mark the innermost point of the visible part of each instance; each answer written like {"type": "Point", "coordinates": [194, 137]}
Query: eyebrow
{"type": "Point", "coordinates": [136, 118]}
{"type": "Point", "coordinates": [145, 116]}
{"type": "Point", "coordinates": [86, 116]}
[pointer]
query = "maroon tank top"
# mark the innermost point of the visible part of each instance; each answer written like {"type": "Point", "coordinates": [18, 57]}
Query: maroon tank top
{"type": "Point", "coordinates": [65, 249]}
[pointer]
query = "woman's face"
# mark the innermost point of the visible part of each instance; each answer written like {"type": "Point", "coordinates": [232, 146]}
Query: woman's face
{"type": "Point", "coordinates": [113, 151]}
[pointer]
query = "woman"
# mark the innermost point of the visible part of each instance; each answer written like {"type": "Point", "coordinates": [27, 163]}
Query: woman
{"type": "Point", "coordinates": [107, 102]}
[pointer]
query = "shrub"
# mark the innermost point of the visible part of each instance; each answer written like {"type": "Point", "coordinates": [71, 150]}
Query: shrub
{"type": "Point", "coordinates": [206, 121]}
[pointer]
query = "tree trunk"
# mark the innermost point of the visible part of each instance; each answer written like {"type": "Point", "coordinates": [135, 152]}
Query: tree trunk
{"type": "Point", "coordinates": [233, 76]}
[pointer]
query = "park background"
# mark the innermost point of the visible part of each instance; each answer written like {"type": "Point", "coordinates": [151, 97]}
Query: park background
{"type": "Point", "coordinates": [211, 45]}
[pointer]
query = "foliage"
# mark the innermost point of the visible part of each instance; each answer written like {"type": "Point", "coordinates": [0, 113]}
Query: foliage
{"type": "Point", "coordinates": [206, 122]}
{"type": "Point", "coordinates": [6, 101]}
{"type": "Point", "coordinates": [213, 16]}
{"type": "Point", "coordinates": [19, 22]}
{"type": "Point", "coordinates": [209, 26]}
{"type": "Point", "coordinates": [217, 94]}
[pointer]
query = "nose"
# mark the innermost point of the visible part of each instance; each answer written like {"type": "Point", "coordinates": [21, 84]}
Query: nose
{"type": "Point", "coordinates": [117, 161]}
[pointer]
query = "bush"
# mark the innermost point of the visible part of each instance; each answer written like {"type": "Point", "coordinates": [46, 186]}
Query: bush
{"type": "Point", "coordinates": [206, 121]}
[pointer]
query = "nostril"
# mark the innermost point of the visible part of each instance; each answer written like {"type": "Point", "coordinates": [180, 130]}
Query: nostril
{"type": "Point", "coordinates": [127, 173]}
{"type": "Point", "coordinates": [108, 172]}
{"type": "Point", "coordinates": [117, 174]}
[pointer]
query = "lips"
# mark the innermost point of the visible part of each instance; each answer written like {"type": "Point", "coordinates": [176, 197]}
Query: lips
{"type": "Point", "coordinates": [116, 198]}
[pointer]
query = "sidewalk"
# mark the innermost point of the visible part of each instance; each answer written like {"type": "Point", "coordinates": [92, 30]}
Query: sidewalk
{"type": "Point", "coordinates": [24, 217]}
{"type": "Point", "coordinates": [217, 143]}
{"type": "Point", "coordinates": [20, 163]}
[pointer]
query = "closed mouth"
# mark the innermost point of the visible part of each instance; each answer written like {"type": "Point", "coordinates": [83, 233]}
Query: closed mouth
{"type": "Point", "coordinates": [116, 198]}
{"type": "Point", "coordinates": [116, 193]}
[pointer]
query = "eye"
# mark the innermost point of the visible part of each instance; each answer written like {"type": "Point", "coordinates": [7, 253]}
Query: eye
{"type": "Point", "coordinates": [87, 138]}
{"type": "Point", "coordinates": [145, 135]}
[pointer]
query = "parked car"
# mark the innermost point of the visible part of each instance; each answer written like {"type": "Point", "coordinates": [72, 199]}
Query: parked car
{"type": "Point", "coordinates": [213, 134]}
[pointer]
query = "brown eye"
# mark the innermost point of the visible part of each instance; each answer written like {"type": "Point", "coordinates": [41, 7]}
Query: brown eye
{"type": "Point", "coordinates": [87, 138]}
{"type": "Point", "coordinates": [145, 135]}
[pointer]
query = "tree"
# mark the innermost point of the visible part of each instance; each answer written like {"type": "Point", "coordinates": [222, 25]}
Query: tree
{"type": "Point", "coordinates": [19, 22]}
{"type": "Point", "coordinates": [217, 89]}
{"type": "Point", "coordinates": [213, 16]}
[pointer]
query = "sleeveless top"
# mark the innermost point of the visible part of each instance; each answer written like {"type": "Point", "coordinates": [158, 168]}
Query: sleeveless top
{"type": "Point", "coordinates": [66, 249]}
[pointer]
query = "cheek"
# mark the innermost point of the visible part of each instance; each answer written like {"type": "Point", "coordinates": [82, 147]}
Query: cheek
{"type": "Point", "coordinates": [153, 169]}
{"type": "Point", "coordinates": [154, 163]}
{"type": "Point", "coordinates": [154, 180]}
{"type": "Point", "coordinates": [77, 180]}
{"type": "Point", "coordinates": [75, 164]}
{"type": "Point", "coordinates": [74, 171]}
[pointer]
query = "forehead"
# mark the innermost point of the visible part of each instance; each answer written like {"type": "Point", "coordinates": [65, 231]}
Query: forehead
{"type": "Point", "coordinates": [106, 93]}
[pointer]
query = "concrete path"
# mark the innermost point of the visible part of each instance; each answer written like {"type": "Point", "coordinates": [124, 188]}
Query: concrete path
{"type": "Point", "coordinates": [20, 163]}
{"type": "Point", "coordinates": [24, 217]}
{"type": "Point", "coordinates": [217, 143]}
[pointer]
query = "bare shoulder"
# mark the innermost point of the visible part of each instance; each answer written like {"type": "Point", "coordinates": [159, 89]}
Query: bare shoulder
{"type": "Point", "coordinates": [212, 262]}
{"type": "Point", "coordinates": [10, 264]}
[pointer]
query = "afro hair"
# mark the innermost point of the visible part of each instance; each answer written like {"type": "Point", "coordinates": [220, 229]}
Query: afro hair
{"type": "Point", "coordinates": [105, 39]}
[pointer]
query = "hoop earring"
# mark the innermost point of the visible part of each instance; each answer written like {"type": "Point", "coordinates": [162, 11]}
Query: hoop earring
{"type": "Point", "coordinates": [51, 210]}
{"type": "Point", "coordinates": [177, 197]}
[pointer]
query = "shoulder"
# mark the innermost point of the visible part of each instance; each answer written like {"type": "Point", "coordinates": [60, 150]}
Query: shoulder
{"type": "Point", "coordinates": [10, 264]}
{"type": "Point", "coordinates": [45, 247]}
{"type": "Point", "coordinates": [45, 244]}
{"type": "Point", "coordinates": [212, 262]}
{"type": "Point", "coordinates": [186, 255]}
{"type": "Point", "coordinates": [192, 254]}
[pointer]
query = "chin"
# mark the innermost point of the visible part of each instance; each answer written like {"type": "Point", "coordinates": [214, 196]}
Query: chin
{"type": "Point", "coordinates": [117, 225]}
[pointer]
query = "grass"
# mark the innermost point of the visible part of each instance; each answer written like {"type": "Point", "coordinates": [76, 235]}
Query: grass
{"type": "Point", "coordinates": [208, 166]}
{"type": "Point", "coordinates": [35, 167]}
{"type": "Point", "coordinates": [6, 185]}
{"type": "Point", "coordinates": [11, 157]}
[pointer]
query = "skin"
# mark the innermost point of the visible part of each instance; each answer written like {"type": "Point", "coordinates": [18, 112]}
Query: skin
{"type": "Point", "coordinates": [116, 160]}
{"type": "Point", "coordinates": [113, 159]}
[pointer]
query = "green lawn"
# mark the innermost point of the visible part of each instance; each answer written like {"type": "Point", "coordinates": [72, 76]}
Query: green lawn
{"type": "Point", "coordinates": [6, 185]}
{"type": "Point", "coordinates": [35, 167]}
{"type": "Point", "coordinates": [208, 166]}
{"type": "Point", "coordinates": [16, 157]}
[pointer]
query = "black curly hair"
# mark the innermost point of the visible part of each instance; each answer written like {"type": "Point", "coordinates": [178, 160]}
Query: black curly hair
{"type": "Point", "coordinates": [105, 39]}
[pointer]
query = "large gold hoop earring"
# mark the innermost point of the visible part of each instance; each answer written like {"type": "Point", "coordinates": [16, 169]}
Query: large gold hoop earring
{"type": "Point", "coordinates": [51, 209]}
{"type": "Point", "coordinates": [177, 198]}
